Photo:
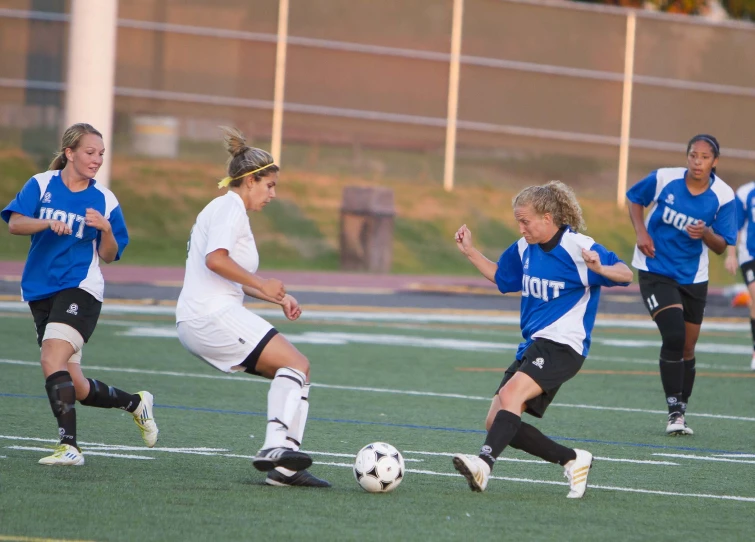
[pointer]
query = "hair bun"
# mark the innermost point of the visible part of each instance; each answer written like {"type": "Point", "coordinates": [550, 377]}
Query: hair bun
{"type": "Point", "coordinates": [235, 141]}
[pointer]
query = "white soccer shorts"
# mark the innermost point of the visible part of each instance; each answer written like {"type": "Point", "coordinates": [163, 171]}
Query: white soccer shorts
{"type": "Point", "coordinates": [225, 338]}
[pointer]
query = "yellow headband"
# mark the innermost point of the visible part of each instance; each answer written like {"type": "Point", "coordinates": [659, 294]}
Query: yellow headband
{"type": "Point", "coordinates": [227, 180]}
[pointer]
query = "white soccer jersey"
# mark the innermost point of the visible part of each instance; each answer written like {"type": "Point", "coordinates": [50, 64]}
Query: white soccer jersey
{"type": "Point", "coordinates": [223, 223]}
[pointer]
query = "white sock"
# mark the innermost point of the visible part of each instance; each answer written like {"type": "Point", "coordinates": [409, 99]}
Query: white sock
{"type": "Point", "coordinates": [295, 432]}
{"type": "Point", "coordinates": [282, 405]}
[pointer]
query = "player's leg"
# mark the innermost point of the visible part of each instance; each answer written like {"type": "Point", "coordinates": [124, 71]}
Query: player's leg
{"type": "Point", "coordinates": [95, 393]}
{"type": "Point", "coordinates": [664, 302]}
{"type": "Point", "coordinates": [287, 408]}
{"type": "Point", "coordinates": [751, 289]}
{"type": "Point", "coordinates": [748, 274]}
{"type": "Point", "coordinates": [694, 298]}
{"type": "Point", "coordinates": [57, 344]}
{"type": "Point", "coordinates": [512, 397]}
{"type": "Point", "coordinates": [530, 440]}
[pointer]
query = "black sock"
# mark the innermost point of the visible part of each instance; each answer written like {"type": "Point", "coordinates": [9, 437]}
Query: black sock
{"type": "Point", "coordinates": [752, 329]}
{"type": "Point", "coordinates": [529, 439]}
{"type": "Point", "coordinates": [103, 396]}
{"type": "Point", "coordinates": [672, 378]}
{"type": "Point", "coordinates": [504, 427]}
{"type": "Point", "coordinates": [689, 382]}
{"type": "Point", "coordinates": [62, 397]}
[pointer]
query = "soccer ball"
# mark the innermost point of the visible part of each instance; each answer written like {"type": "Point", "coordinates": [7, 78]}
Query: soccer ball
{"type": "Point", "coordinates": [379, 468]}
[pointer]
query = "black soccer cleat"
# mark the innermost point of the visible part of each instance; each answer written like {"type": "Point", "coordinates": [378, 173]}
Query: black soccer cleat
{"type": "Point", "coordinates": [303, 478]}
{"type": "Point", "coordinates": [270, 458]}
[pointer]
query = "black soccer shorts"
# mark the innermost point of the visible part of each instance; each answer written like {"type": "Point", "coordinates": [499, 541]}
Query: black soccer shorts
{"type": "Point", "coordinates": [748, 272]}
{"type": "Point", "coordinates": [660, 291]}
{"type": "Point", "coordinates": [548, 363]}
{"type": "Point", "coordinates": [73, 306]}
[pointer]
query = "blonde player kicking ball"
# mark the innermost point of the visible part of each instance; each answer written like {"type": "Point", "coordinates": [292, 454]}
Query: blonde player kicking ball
{"type": "Point", "coordinates": [559, 273]}
{"type": "Point", "coordinates": [214, 325]}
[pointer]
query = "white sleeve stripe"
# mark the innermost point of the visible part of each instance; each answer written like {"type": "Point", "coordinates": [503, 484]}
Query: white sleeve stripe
{"type": "Point", "coordinates": [43, 179]}
{"type": "Point", "coordinates": [664, 176]}
{"type": "Point", "coordinates": [744, 191]}
{"type": "Point", "coordinates": [573, 243]}
{"type": "Point", "coordinates": [521, 245]}
{"type": "Point", "coordinates": [111, 202]}
{"type": "Point", "coordinates": [723, 191]}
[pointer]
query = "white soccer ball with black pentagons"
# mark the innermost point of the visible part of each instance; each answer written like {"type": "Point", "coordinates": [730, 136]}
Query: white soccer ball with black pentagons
{"type": "Point", "coordinates": [379, 468]}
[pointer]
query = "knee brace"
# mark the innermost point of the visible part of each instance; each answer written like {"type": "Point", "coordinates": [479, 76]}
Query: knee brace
{"type": "Point", "coordinates": [64, 332]}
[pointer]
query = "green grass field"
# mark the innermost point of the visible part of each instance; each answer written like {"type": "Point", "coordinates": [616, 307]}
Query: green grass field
{"type": "Point", "coordinates": [422, 387]}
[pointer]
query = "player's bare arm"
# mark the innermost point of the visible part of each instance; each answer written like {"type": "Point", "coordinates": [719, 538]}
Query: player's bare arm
{"type": "Point", "coordinates": [618, 272]}
{"type": "Point", "coordinates": [711, 239]}
{"type": "Point", "coordinates": [644, 241]}
{"type": "Point", "coordinates": [464, 244]}
{"type": "Point", "coordinates": [220, 262]}
{"type": "Point", "coordinates": [26, 225]}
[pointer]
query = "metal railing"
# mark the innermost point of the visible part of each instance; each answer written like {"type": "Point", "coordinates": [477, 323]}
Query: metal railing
{"type": "Point", "coordinates": [620, 139]}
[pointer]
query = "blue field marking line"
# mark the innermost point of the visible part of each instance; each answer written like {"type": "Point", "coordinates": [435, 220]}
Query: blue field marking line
{"type": "Point", "coordinates": [414, 426]}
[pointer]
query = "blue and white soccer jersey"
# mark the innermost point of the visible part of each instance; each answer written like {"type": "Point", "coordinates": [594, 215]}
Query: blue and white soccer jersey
{"type": "Point", "coordinates": [745, 203]}
{"type": "Point", "coordinates": [673, 208]}
{"type": "Point", "coordinates": [56, 263]}
{"type": "Point", "coordinates": [559, 293]}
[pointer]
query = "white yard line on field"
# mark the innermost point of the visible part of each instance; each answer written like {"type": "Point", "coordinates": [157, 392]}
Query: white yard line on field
{"type": "Point", "coordinates": [88, 452]}
{"type": "Point", "coordinates": [377, 314]}
{"type": "Point", "coordinates": [590, 486]}
{"type": "Point", "coordinates": [334, 338]}
{"type": "Point", "coordinates": [542, 462]}
{"type": "Point", "coordinates": [415, 393]}
{"type": "Point", "coordinates": [219, 453]}
{"type": "Point", "coordinates": [706, 458]}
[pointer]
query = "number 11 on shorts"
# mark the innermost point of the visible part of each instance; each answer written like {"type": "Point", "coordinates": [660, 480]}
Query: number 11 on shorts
{"type": "Point", "coordinates": [652, 302]}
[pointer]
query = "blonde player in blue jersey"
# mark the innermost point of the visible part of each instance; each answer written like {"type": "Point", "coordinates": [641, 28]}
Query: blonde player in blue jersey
{"type": "Point", "coordinates": [691, 210]}
{"type": "Point", "coordinates": [743, 255]}
{"type": "Point", "coordinates": [559, 273]}
{"type": "Point", "coordinates": [73, 222]}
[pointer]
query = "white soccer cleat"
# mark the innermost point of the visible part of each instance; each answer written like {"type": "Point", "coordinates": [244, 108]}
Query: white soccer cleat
{"type": "Point", "coordinates": [64, 455]}
{"type": "Point", "coordinates": [576, 472]}
{"type": "Point", "coordinates": [474, 469]}
{"type": "Point", "coordinates": [144, 419]}
{"type": "Point", "coordinates": [677, 425]}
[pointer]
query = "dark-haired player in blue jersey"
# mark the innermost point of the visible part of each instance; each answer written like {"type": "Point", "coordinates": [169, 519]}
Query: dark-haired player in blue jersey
{"type": "Point", "coordinates": [743, 256]}
{"type": "Point", "coordinates": [559, 273]}
{"type": "Point", "coordinates": [691, 210]}
{"type": "Point", "coordinates": [73, 222]}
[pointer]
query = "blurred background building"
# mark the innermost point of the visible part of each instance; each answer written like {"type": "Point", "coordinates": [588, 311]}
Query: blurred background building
{"type": "Point", "coordinates": [542, 85]}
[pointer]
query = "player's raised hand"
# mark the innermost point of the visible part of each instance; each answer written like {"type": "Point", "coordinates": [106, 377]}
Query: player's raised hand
{"type": "Point", "coordinates": [697, 230]}
{"type": "Point", "coordinates": [291, 307]}
{"type": "Point", "coordinates": [273, 288]}
{"type": "Point", "coordinates": [60, 227]}
{"type": "Point", "coordinates": [96, 220]}
{"type": "Point", "coordinates": [463, 239]}
{"type": "Point", "coordinates": [592, 260]}
{"type": "Point", "coordinates": [645, 244]}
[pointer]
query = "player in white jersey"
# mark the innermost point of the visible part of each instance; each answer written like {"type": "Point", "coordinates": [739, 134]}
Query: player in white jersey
{"type": "Point", "coordinates": [743, 255]}
{"type": "Point", "coordinates": [691, 210]}
{"type": "Point", "coordinates": [73, 222]}
{"type": "Point", "coordinates": [559, 273]}
{"type": "Point", "coordinates": [213, 324]}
